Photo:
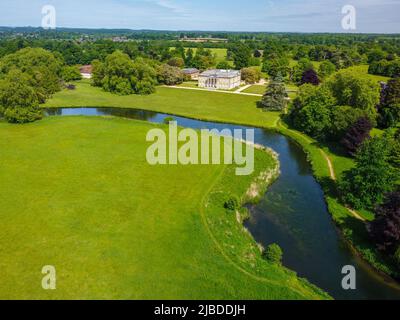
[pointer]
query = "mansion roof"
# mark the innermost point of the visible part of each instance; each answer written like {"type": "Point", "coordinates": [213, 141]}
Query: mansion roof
{"type": "Point", "coordinates": [220, 73]}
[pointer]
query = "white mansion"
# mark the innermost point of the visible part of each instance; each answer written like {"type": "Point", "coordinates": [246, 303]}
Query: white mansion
{"type": "Point", "coordinates": [220, 79]}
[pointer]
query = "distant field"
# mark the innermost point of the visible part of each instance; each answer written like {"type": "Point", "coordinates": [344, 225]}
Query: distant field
{"type": "Point", "coordinates": [293, 63]}
{"type": "Point", "coordinates": [220, 53]}
{"type": "Point", "coordinates": [362, 70]}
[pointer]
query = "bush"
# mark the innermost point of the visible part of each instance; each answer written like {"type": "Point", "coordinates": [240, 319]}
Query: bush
{"type": "Point", "coordinates": [167, 120]}
{"type": "Point", "coordinates": [232, 203]}
{"type": "Point", "coordinates": [356, 135]}
{"type": "Point", "coordinates": [169, 75]}
{"type": "Point", "coordinates": [273, 254]}
{"type": "Point", "coordinates": [251, 75]}
{"type": "Point", "coordinates": [71, 74]}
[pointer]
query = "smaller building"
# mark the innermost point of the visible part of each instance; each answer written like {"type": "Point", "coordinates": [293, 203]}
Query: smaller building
{"type": "Point", "coordinates": [220, 79]}
{"type": "Point", "coordinates": [86, 71]}
{"type": "Point", "coordinates": [192, 73]}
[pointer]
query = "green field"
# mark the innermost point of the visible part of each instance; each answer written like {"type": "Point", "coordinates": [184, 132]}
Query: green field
{"type": "Point", "coordinates": [219, 53]}
{"type": "Point", "coordinates": [203, 105]}
{"type": "Point", "coordinates": [258, 89]}
{"type": "Point", "coordinates": [362, 70]}
{"type": "Point", "coordinates": [77, 193]}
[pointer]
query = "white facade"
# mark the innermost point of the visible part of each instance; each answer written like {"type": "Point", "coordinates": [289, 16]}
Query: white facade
{"type": "Point", "coordinates": [220, 79]}
{"type": "Point", "coordinates": [86, 75]}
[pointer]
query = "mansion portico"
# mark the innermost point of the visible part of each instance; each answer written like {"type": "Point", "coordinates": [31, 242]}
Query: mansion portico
{"type": "Point", "coordinates": [220, 79]}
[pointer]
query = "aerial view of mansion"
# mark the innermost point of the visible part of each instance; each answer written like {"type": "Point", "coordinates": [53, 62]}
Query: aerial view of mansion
{"type": "Point", "coordinates": [220, 79]}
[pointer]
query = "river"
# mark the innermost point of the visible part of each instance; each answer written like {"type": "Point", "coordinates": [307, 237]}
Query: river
{"type": "Point", "coordinates": [292, 213]}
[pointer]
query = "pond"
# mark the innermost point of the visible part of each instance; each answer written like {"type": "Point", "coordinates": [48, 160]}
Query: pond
{"type": "Point", "coordinates": [292, 213]}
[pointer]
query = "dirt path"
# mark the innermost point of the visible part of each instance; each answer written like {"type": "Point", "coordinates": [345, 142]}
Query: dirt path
{"type": "Point", "coordinates": [243, 88]}
{"type": "Point", "coordinates": [330, 166]}
{"type": "Point", "coordinates": [333, 177]}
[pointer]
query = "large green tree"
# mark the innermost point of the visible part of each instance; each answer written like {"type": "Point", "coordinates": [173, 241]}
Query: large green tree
{"type": "Point", "coordinates": [365, 185]}
{"type": "Point", "coordinates": [121, 75]}
{"type": "Point", "coordinates": [19, 102]}
{"type": "Point", "coordinates": [241, 54]}
{"type": "Point", "coordinates": [275, 97]}
{"type": "Point", "coordinates": [43, 67]}
{"type": "Point", "coordinates": [356, 91]}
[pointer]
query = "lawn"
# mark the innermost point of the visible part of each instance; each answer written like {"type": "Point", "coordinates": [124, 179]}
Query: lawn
{"type": "Point", "coordinates": [77, 193]}
{"type": "Point", "coordinates": [258, 89]}
{"type": "Point", "coordinates": [362, 70]}
{"type": "Point", "coordinates": [202, 105]}
{"type": "Point", "coordinates": [219, 53]}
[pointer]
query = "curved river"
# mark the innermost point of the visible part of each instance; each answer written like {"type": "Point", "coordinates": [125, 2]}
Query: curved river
{"type": "Point", "coordinates": [292, 213]}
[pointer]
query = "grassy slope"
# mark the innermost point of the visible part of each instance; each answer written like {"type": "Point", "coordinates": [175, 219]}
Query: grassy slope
{"type": "Point", "coordinates": [77, 193]}
{"type": "Point", "coordinates": [362, 70]}
{"type": "Point", "coordinates": [204, 105]}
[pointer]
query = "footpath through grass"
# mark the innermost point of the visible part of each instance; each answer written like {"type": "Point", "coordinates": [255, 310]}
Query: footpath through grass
{"type": "Point", "coordinates": [78, 193]}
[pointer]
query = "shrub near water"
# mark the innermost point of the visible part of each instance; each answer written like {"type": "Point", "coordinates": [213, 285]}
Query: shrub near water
{"type": "Point", "coordinates": [273, 253]}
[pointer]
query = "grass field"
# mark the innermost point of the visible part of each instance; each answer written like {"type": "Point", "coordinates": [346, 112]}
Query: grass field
{"type": "Point", "coordinates": [362, 70]}
{"type": "Point", "coordinates": [220, 53]}
{"type": "Point", "coordinates": [258, 89]}
{"type": "Point", "coordinates": [203, 105]}
{"type": "Point", "coordinates": [77, 193]}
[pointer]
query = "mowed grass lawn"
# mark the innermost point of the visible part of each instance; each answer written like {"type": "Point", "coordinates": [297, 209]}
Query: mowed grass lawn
{"type": "Point", "coordinates": [203, 105]}
{"type": "Point", "coordinates": [77, 193]}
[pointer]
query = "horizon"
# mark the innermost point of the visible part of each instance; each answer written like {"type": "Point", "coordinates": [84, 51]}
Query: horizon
{"type": "Point", "coordinates": [286, 16]}
{"type": "Point", "coordinates": [61, 28]}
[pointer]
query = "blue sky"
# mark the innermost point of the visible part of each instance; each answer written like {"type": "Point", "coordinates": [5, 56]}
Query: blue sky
{"type": "Point", "coordinates": [228, 15]}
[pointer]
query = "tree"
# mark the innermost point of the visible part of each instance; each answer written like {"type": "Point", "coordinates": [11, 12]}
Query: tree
{"type": "Point", "coordinates": [273, 254]}
{"type": "Point", "coordinates": [98, 73]}
{"type": "Point", "coordinates": [365, 185]}
{"type": "Point", "coordinates": [376, 55]}
{"type": "Point", "coordinates": [18, 100]}
{"type": "Point", "coordinates": [251, 75]}
{"type": "Point", "coordinates": [120, 75]}
{"type": "Point", "coordinates": [42, 67]}
{"type": "Point", "coordinates": [224, 65]}
{"type": "Point", "coordinates": [144, 78]}
{"type": "Point", "coordinates": [356, 135]}
{"type": "Point", "coordinates": [326, 69]}
{"type": "Point", "coordinates": [241, 54]}
{"type": "Point", "coordinates": [356, 91]}
{"type": "Point", "coordinates": [275, 67]}
{"type": "Point", "coordinates": [176, 62]}
{"type": "Point", "coordinates": [203, 59]}
{"type": "Point", "coordinates": [189, 58]}
{"type": "Point", "coordinates": [314, 120]}
{"type": "Point", "coordinates": [385, 229]}
{"type": "Point", "coordinates": [257, 54]}
{"type": "Point", "coordinates": [311, 77]}
{"type": "Point", "coordinates": [302, 66]}
{"type": "Point", "coordinates": [169, 75]}
{"type": "Point", "coordinates": [275, 97]}
{"type": "Point", "coordinates": [389, 108]}
{"type": "Point", "coordinates": [71, 73]}
{"type": "Point", "coordinates": [342, 118]}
